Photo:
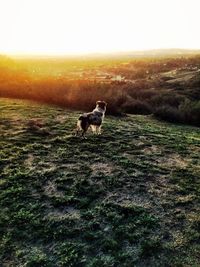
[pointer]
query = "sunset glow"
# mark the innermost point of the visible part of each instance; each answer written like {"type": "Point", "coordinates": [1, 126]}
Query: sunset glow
{"type": "Point", "coordinates": [97, 26]}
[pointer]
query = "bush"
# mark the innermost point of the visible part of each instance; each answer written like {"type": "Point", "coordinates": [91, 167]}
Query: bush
{"type": "Point", "coordinates": [168, 113]}
{"type": "Point", "coordinates": [188, 112]}
{"type": "Point", "coordinates": [135, 106]}
{"type": "Point", "coordinates": [166, 99]}
{"type": "Point", "coordinates": [191, 112]}
{"type": "Point", "coordinates": [115, 99]}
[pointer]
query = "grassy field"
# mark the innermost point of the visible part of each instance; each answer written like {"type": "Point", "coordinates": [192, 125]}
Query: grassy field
{"type": "Point", "coordinates": [130, 197]}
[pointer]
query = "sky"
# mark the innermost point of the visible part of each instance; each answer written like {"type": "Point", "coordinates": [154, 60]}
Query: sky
{"type": "Point", "coordinates": [64, 27]}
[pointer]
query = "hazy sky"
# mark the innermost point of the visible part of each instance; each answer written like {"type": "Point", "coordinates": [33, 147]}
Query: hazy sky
{"type": "Point", "coordinates": [87, 26]}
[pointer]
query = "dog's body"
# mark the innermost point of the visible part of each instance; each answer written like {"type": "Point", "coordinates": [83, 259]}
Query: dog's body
{"type": "Point", "coordinates": [92, 119]}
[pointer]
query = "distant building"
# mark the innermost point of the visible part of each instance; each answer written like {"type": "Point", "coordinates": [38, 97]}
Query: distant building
{"type": "Point", "coordinates": [117, 78]}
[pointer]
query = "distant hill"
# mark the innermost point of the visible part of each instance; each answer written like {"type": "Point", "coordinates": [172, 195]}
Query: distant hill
{"type": "Point", "coordinates": [126, 54]}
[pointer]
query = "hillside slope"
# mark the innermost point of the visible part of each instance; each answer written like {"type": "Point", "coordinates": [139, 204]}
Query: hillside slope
{"type": "Point", "coordinates": [129, 197]}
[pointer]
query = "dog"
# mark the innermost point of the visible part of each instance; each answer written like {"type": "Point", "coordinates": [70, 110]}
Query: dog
{"type": "Point", "coordinates": [92, 119]}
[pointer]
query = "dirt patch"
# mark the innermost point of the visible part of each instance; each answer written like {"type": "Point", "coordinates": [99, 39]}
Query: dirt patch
{"type": "Point", "coordinates": [161, 187]}
{"type": "Point", "coordinates": [157, 190]}
{"type": "Point", "coordinates": [67, 213]}
{"type": "Point", "coordinates": [29, 161]}
{"type": "Point", "coordinates": [178, 239]}
{"type": "Point", "coordinates": [185, 199]}
{"type": "Point", "coordinates": [46, 167]}
{"type": "Point", "coordinates": [173, 160]}
{"type": "Point", "coordinates": [37, 126]}
{"type": "Point", "coordinates": [50, 190]}
{"type": "Point", "coordinates": [139, 144]}
{"type": "Point", "coordinates": [151, 150]}
{"type": "Point", "coordinates": [193, 217]}
{"type": "Point", "coordinates": [70, 166]}
{"type": "Point", "coordinates": [61, 119]}
{"type": "Point", "coordinates": [104, 168]}
{"type": "Point", "coordinates": [125, 199]}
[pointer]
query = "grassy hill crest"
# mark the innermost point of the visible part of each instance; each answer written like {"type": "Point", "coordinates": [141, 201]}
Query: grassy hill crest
{"type": "Point", "coordinates": [127, 198]}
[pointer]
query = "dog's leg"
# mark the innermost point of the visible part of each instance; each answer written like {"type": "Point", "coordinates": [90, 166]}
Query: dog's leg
{"type": "Point", "coordinates": [76, 131]}
{"type": "Point", "coordinates": [98, 130]}
{"type": "Point", "coordinates": [94, 129]}
{"type": "Point", "coordinates": [78, 128]}
{"type": "Point", "coordinates": [84, 130]}
{"type": "Point", "coordinates": [83, 134]}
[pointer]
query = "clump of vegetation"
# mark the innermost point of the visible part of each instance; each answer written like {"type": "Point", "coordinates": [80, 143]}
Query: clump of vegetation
{"type": "Point", "coordinates": [133, 106]}
{"type": "Point", "coordinates": [169, 113]}
{"type": "Point", "coordinates": [187, 112]}
{"type": "Point", "coordinates": [191, 112]}
{"type": "Point", "coordinates": [37, 126]}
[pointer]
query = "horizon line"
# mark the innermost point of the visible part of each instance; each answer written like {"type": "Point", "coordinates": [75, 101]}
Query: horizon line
{"type": "Point", "coordinates": [101, 53]}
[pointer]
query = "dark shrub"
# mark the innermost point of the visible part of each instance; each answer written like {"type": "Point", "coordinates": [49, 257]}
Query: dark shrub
{"type": "Point", "coordinates": [135, 106]}
{"type": "Point", "coordinates": [164, 99]}
{"type": "Point", "coordinates": [144, 94]}
{"type": "Point", "coordinates": [191, 112]}
{"type": "Point", "coordinates": [168, 113]}
{"type": "Point", "coordinates": [115, 97]}
{"type": "Point", "coordinates": [113, 109]}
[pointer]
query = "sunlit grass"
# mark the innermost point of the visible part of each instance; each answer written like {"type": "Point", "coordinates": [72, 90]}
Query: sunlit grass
{"type": "Point", "coordinates": [126, 198]}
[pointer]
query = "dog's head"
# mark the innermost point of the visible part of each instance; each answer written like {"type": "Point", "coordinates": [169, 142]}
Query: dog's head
{"type": "Point", "coordinates": [101, 104]}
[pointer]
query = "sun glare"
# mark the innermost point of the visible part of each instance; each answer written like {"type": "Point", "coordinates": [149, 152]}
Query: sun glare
{"type": "Point", "coordinates": [97, 26]}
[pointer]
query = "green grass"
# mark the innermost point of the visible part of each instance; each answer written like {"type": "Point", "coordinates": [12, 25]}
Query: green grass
{"type": "Point", "coordinates": [130, 197]}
